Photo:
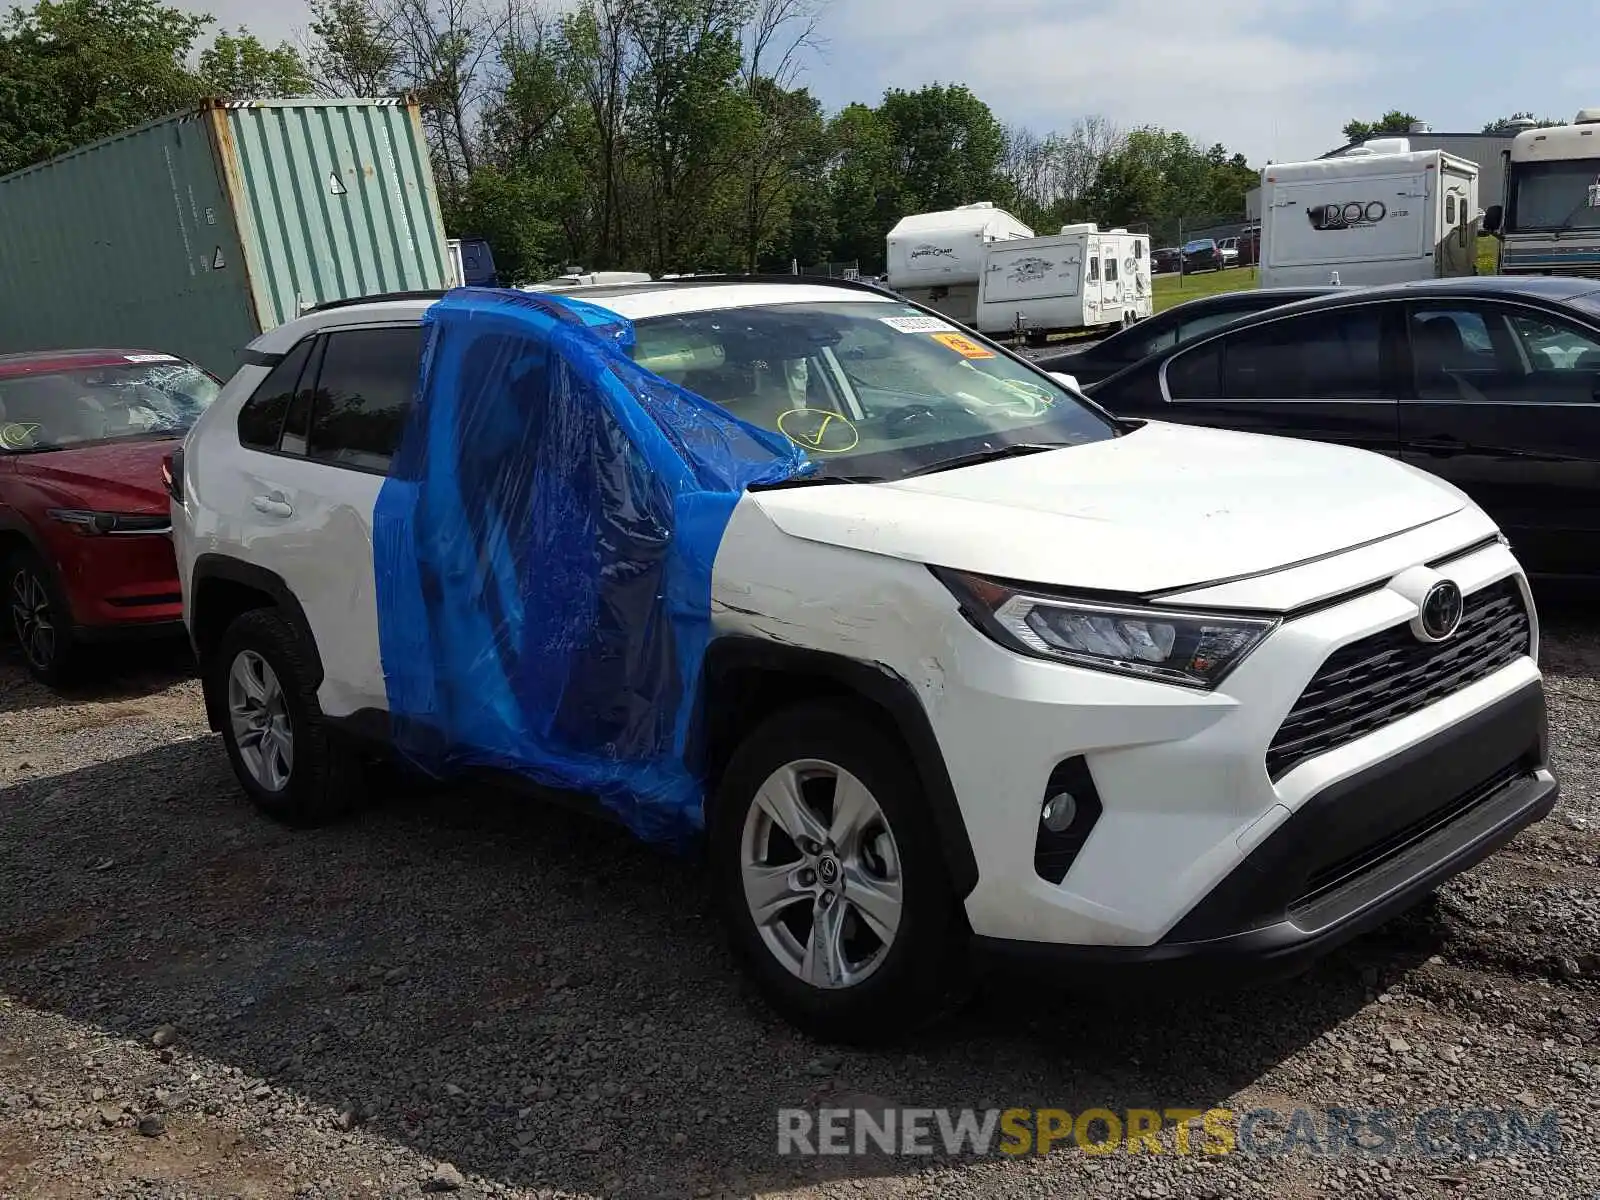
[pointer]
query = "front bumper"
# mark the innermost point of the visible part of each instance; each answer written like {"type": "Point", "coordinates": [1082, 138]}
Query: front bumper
{"type": "Point", "coordinates": [119, 582]}
{"type": "Point", "coordinates": [1354, 855]}
{"type": "Point", "coordinates": [1183, 797]}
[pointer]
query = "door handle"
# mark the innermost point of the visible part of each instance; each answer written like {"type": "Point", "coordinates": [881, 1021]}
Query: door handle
{"type": "Point", "coordinates": [273, 505]}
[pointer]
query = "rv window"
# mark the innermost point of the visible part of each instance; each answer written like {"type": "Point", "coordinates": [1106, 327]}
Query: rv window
{"type": "Point", "coordinates": [1321, 356]}
{"type": "Point", "coordinates": [1552, 195]}
{"type": "Point", "coordinates": [1450, 209]}
{"type": "Point", "coordinates": [1094, 269]}
{"type": "Point", "coordinates": [1111, 270]}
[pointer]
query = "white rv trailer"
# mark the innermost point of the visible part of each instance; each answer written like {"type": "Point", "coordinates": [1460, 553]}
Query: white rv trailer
{"type": "Point", "coordinates": [1549, 223]}
{"type": "Point", "coordinates": [1379, 213]}
{"type": "Point", "coordinates": [1079, 278]}
{"type": "Point", "coordinates": [936, 258]}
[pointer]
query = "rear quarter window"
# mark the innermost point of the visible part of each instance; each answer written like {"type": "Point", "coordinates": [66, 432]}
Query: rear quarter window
{"type": "Point", "coordinates": [261, 418]}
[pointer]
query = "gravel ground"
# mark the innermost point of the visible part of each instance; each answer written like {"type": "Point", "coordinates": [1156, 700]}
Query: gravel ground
{"type": "Point", "coordinates": [491, 998]}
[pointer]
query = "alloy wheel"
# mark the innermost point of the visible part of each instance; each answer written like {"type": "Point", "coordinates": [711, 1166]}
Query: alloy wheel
{"type": "Point", "coordinates": [821, 874]}
{"type": "Point", "coordinates": [260, 721]}
{"type": "Point", "coordinates": [31, 618]}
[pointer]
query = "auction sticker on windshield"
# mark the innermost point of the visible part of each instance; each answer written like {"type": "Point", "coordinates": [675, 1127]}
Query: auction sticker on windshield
{"type": "Point", "coordinates": [918, 324]}
{"type": "Point", "coordinates": [963, 346]}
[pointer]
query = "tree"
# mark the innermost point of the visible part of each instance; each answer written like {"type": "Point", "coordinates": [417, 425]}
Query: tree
{"type": "Point", "coordinates": [445, 49]}
{"type": "Point", "coordinates": [73, 71]}
{"type": "Point", "coordinates": [527, 195]}
{"type": "Point", "coordinates": [865, 189]}
{"type": "Point", "coordinates": [350, 51]}
{"type": "Point", "coordinates": [948, 147]}
{"type": "Point", "coordinates": [1500, 126]}
{"type": "Point", "coordinates": [783, 125]}
{"type": "Point", "coordinates": [688, 123]}
{"type": "Point", "coordinates": [1393, 121]}
{"type": "Point", "coordinates": [1047, 177]}
{"type": "Point", "coordinates": [599, 63]}
{"type": "Point", "coordinates": [237, 66]}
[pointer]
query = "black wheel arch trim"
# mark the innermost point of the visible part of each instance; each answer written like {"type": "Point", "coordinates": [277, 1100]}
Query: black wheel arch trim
{"type": "Point", "coordinates": [872, 681]}
{"type": "Point", "coordinates": [11, 524]}
{"type": "Point", "coordinates": [232, 570]}
{"type": "Point", "coordinates": [47, 561]}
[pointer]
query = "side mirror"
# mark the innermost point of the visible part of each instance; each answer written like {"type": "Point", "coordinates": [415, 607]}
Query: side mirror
{"type": "Point", "coordinates": [1493, 217]}
{"type": "Point", "coordinates": [1069, 381]}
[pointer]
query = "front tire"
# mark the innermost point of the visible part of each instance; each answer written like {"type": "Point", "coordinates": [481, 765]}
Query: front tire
{"type": "Point", "coordinates": [288, 761]}
{"type": "Point", "coordinates": [40, 621]}
{"type": "Point", "coordinates": [831, 879]}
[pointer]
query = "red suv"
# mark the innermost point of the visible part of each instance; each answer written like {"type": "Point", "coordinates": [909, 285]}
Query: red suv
{"type": "Point", "coordinates": [85, 532]}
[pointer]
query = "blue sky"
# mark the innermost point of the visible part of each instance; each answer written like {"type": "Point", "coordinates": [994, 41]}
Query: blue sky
{"type": "Point", "coordinates": [1273, 78]}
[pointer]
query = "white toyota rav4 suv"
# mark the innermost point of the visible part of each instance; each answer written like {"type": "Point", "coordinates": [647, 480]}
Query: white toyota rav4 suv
{"type": "Point", "coordinates": [1026, 682]}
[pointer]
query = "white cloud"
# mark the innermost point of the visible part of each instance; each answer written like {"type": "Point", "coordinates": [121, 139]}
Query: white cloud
{"type": "Point", "coordinates": [1225, 72]}
{"type": "Point", "coordinates": [1276, 79]}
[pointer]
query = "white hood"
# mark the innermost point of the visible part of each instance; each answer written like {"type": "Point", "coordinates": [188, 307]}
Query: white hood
{"type": "Point", "coordinates": [1163, 507]}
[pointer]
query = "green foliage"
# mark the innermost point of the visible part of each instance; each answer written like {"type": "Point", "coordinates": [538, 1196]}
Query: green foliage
{"type": "Point", "coordinates": [74, 71]}
{"type": "Point", "coordinates": [1158, 179]}
{"type": "Point", "coordinates": [1499, 126]}
{"type": "Point", "coordinates": [352, 52]}
{"type": "Point", "coordinates": [1393, 121]}
{"type": "Point", "coordinates": [236, 66]}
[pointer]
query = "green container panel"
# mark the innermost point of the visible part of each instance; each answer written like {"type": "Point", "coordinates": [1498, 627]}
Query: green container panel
{"type": "Point", "coordinates": [194, 233]}
{"type": "Point", "coordinates": [117, 245]}
{"type": "Point", "coordinates": [338, 201]}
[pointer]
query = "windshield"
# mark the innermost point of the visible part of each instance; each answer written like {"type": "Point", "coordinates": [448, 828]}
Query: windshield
{"type": "Point", "coordinates": [1205, 244]}
{"type": "Point", "coordinates": [148, 396]}
{"type": "Point", "coordinates": [1555, 195]}
{"type": "Point", "coordinates": [870, 390]}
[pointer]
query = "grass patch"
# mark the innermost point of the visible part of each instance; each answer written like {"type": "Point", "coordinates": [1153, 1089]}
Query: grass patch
{"type": "Point", "coordinates": [1175, 289]}
{"type": "Point", "coordinates": [1172, 289]}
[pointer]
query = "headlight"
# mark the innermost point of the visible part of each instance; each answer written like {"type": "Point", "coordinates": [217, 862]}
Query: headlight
{"type": "Point", "coordinates": [1194, 649]}
{"type": "Point", "coordinates": [88, 521]}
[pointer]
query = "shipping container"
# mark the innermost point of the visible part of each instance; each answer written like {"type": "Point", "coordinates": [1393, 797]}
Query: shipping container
{"type": "Point", "coordinates": [194, 233]}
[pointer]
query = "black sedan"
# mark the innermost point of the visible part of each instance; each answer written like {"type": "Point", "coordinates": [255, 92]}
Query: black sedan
{"type": "Point", "coordinates": [1202, 254]}
{"type": "Point", "coordinates": [1164, 260]}
{"type": "Point", "coordinates": [1179, 324]}
{"type": "Point", "coordinates": [1492, 383]}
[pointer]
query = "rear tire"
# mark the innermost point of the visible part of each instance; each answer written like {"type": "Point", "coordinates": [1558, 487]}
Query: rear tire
{"type": "Point", "coordinates": [41, 621]}
{"type": "Point", "coordinates": [861, 938]}
{"type": "Point", "coordinates": [289, 762]}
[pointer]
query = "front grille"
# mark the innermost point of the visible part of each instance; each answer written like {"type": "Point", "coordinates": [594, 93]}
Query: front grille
{"type": "Point", "coordinates": [1341, 871]}
{"type": "Point", "coordinates": [1389, 675]}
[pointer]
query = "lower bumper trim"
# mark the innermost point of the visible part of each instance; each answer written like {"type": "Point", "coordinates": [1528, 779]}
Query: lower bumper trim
{"type": "Point", "coordinates": [1284, 947]}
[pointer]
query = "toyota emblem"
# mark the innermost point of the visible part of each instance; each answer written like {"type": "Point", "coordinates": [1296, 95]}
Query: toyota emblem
{"type": "Point", "coordinates": [1440, 612]}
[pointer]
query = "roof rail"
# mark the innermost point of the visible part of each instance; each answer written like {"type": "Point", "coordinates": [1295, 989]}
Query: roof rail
{"type": "Point", "coordinates": [859, 285]}
{"type": "Point", "coordinates": [379, 298]}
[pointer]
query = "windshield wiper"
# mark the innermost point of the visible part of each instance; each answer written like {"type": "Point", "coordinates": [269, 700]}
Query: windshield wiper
{"type": "Point", "coordinates": [811, 480]}
{"type": "Point", "coordinates": [988, 454]}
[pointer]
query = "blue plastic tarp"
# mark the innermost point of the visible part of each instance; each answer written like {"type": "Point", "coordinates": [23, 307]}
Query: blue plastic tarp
{"type": "Point", "coordinates": [543, 548]}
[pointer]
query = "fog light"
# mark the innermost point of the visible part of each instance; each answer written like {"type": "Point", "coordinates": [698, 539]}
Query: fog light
{"type": "Point", "coordinates": [1059, 812]}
